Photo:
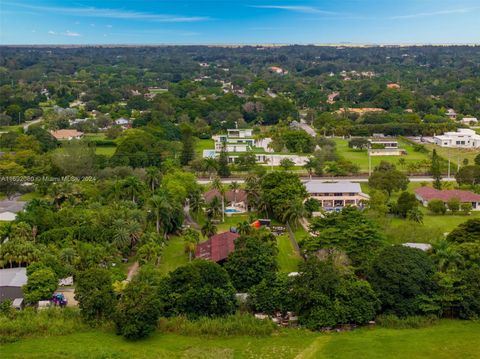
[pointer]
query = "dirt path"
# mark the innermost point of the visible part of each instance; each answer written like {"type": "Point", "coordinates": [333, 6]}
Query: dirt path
{"type": "Point", "coordinates": [132, 271]}
{"type": "Point", "coordinates": [313, 349]}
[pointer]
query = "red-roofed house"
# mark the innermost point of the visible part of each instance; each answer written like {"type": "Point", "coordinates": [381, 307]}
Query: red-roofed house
{"type": "Point", "coordinates": [426, 194]}
{"type": "Point", "coordinates": [217, 248]}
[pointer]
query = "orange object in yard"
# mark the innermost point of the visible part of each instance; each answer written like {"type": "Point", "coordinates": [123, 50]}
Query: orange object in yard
{"type": "Point", "coordinates": [256, 224]}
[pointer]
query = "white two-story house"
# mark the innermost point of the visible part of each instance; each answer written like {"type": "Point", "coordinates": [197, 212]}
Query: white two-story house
{"type": "Point", "coordinates": [463, 138]}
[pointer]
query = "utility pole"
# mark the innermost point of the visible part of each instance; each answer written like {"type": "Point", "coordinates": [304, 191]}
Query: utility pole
{"type": "Point", "coordinates": [369, 163]}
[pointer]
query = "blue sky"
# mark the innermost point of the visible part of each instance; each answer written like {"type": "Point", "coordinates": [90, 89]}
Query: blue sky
{"type": "Point", "coordinates": [239, 21]}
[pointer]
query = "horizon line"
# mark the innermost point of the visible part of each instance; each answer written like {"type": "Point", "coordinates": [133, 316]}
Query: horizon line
{"type": "Point", "coordinates": [270, 44]}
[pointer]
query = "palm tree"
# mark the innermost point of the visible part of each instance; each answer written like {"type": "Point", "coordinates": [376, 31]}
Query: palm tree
{"type": "Point", "coordinates": [132, 187]}
{"type": "Point", "coordinates": [158, 205]}
{"type": "Point", "coordinates": [218, 185]}
{"type": "Point", "coordinates": [211, 166]}
{"type": "Point", "coordinates": [294, 212]}
{"type": "Point", "coordinates": [196, 201]}
{"type": "Point", "coordinates": [149, 252]}
{"type": "Point", "coordinates": [191, 239]}
{"type": "Point", "coordinates": [68, 255]}
{"type": "Point", "coordinates": [152, 177]}
{"type": "Point", "coordinates": [244, 228]}
{"type": "Point", "coordinates": [310, 166]}
{"type": "Point", "coordinates": [214, 208]}
{"type": "Point", "coordinates": [445, 255]}
{"type": "Point", "coordinates": [208, 229]}
{"type": "Point", "coordinates": [234, 186]}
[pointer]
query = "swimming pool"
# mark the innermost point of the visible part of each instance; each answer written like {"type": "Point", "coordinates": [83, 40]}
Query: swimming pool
{"type": "Point", "coordinates": [232, 210]}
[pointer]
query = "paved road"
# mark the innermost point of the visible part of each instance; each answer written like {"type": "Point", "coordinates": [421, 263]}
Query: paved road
{"type": "Point", "coordinates": [29, 123]}
{"type": "Point", "coordinates": [330, 179]}
{"type": "Point", "coordinates": [308, 129]}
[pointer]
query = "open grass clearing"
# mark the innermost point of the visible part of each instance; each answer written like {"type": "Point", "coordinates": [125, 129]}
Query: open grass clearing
{"type": "Point", "coordinates": [445, 340]}
{"type": "Point", "coordinates": [173, 255]}
{"type": "Point", "coordinates": [360, 158]}
{"type": "Point", "coordinates": [288, 259]}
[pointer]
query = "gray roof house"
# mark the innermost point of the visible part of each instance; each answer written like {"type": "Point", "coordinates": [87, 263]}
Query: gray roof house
{"type": "Point", "coordinates": [11, 282]}
{"type": "Point", "coordinates": [9, 209]}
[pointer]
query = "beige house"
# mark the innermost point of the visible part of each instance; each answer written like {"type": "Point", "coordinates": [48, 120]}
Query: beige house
{"type": "Point", "coordinates": [67, 134]}
{"type": "Point", "coordinates": [333, 196]}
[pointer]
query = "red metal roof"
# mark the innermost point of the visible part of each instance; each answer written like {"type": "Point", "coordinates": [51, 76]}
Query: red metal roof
{"type": "Point", "coordinates": [218, 247]}
{"type": "Point", "coordinates": [428, 193]}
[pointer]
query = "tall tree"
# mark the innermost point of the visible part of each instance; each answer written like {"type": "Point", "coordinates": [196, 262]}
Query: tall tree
{"type": "Point", "coordinates": [234, 186]}
{"type": "Point", "coordinates": [218, 185]}
{"type": "Point", "coordinates": [188, 149]}
{"type": "Point", "coordinates": [436, 171]}
{"type": "Point", "coordinates": [94, 293]}
{"type": "Point", "coordinates": [223, 168]}
{"type": "Point", "coordinates": [159, 206]}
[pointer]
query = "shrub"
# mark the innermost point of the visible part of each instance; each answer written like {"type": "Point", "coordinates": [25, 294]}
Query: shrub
{"type": "Point", "coordinates": [437, 206]}
{"type": "Point", "coordinates": [466, 208]}
{"type": "Point", "coordinates": [453, 205]}
{"type": "Point", "coordinates": [232, 325]}
{"type": "Point", "coordinates": [393, 322]}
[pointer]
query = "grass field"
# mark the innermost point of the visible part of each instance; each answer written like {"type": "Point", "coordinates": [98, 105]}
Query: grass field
{"type": "Point", "coordinates": [360, 158]}
{"type": "Point", "coordinates": [288, 258]}
{"type": "Point", "coordinates": [456, 155]}
{"type": "Point", "coordinates": [173, 255]}
{"type": "Point", "coordinates": [443, 223]}
{"type": "Point", "coordinates": [201, 145]}
{"type": "Point", "coordinates": [95, 136]}
{"type": "Point", "coordinates": [448, 339]}
{"type": "Point", "coordinates": [105, 150]}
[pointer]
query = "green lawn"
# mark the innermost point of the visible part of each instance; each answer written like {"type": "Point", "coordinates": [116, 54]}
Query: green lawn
{"type": "Point", "coordinates": [95, 136]}
{"type": "Point", "coordinates": [443, 223]}
{"type": "Point", "coordinates": [173, 255]}
{"type": "Point", "coordinates": [455, 154]}
{"type": "Point", "coordinates": [288, 258]}
{"type": "Point", "coordinates": [105, 150]}
{"type": "Point", "coordinates": [15, 128]}
{"type": "Point", "coordinates": [231, 221]}
{"type": "Point", "coordinates": [448, 339]}
{"type": "Point", "coordinates": [29, 196]}
{"type": "Point", "coordinates": [201, 145]}
{"type": "Point", "coordinates": [360, 158]}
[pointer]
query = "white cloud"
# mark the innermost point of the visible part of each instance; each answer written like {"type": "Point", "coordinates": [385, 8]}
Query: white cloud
{"type": "Point", "coordinates": [435, 13]}
{"type": "Point", "coordinates": [111, 13]}
{"type": "Point", "coordinates": [296, 8]}
{"type": "Point", "coordinates": [109, 26]}
{"type": "Point", "coordinates": [66, 33]}
{"type": "Point", "coordinates": [71, 33]}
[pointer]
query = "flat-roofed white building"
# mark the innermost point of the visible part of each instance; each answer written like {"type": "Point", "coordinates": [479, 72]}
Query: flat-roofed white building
{"type": "Point", "coordinates": [463, 138]}
{"type": "Point", "coordinates": [336, 195]}
{"type": "Point", "coordinates": [384, 146]}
